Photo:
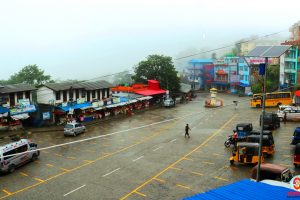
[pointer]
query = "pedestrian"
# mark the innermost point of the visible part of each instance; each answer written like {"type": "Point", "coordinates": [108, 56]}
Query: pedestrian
{"type": "Point", "coordinates": [236, 104]}
{"type": "Point", "coordinates": [187, 128]}
{"type": "Point", "coordinates": [284, 118]}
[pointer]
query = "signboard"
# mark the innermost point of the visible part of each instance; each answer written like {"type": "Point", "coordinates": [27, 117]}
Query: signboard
{"type": "Point", "coordinates": [46, 115]}
{"type": "Point", "coordinates": [24, 102]}
{"type": "Point", "coordinates": [64, 104]}
{"type": "Point", "coordinates": [22, 109]}
{"type": "Point", "coordinates": [116, 100]}
{"type": "Point", "coordinates": [80, 100]}
{"type": "Point", "coordinates": [71, 111]}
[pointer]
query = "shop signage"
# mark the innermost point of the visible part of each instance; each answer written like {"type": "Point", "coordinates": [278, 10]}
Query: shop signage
{"type": "Point", "coordinates": [22, 109]}
{"type": "Point", "coordinates": [80, 100]}
{"type": "Point", "coordinates": [64, 104]}
{"type": "Point", "coordinates": [24, 102]}
{"type": "Point", "coordinates": [46, 115]}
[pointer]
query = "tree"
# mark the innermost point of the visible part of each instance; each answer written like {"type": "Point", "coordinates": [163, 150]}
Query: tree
{"type": "Point", "coordinates": [160, 68]}
{"type": "Point", "coordinates": [30, 74]}
{"type": "Point", "coordinates": [122, 78]}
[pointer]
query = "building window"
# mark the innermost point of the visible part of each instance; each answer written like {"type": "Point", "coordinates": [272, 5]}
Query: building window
{"type": "Point", "coordinates": [27, 95]}
{"type": "Point", "coordinates": [77, 94]}
{"type": "Point", "coordinates": [64, 96]}
{"type": "Point", "coordinates": [71, 95]}
{"type": "Point", "coordinates": [57, 95]}
{"type": "Point", "coordinates": [88, 96]}
{"type": "Point", "coordinates": [98, 92]}
{"type": "Point", "coordinates": [103, 93]}
{"type": "Point", "coordinates": [83, 93]}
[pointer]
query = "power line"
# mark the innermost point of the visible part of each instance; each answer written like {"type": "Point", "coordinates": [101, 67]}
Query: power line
{"type": "Point", "coordinates": [227, 46]}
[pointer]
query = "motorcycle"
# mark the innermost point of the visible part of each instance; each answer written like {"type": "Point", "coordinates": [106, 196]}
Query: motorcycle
{"type": "Point", "coordinates": [229, 141]}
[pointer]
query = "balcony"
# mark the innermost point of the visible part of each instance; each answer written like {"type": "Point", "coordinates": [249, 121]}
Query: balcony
{"type": "Point", "coordinates": [289, 59]}
{"type": "Point", "coordinates": [289, 70]}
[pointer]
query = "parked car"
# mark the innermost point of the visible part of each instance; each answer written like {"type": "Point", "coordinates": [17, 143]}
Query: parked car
{"type": "Point", "coordinates": [17, 153]}
{"type": "Point", "coordinates": [169, 103]}
{"type": "Point", "coordinates": [296, 136]}
{"type": "Point", "coordinates": [271, 121]}
{"type": "Point", "coordinates": [74, 129]}
{"type": "Point", "coordinates": [292, 114]}
{"type": "Point", "coordinates": [273, 172]}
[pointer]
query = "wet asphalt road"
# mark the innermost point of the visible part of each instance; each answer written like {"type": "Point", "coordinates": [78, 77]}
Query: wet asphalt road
{"type": "Point", "coordinates": [151, 162]}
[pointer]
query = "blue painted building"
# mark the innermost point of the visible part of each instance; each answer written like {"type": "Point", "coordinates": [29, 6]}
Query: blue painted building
{"type": "Point", "coordinates": [201, 73]}
{"type": "Point", "coordinates": [244, 86]}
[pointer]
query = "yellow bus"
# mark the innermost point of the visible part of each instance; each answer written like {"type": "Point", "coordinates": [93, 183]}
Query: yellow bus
{"type": "Point", "coordinates": [272, 99]}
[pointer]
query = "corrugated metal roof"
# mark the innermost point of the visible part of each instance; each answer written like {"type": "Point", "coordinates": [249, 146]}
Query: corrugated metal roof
{"type": "Point", "coordinates": [268, 51]}
{"type": "Point", "coordinates": [16, 88]}
{"type": "Point", "coordinates": [244, 190]}
{"type": "Point", "coordinates": [80, 85]}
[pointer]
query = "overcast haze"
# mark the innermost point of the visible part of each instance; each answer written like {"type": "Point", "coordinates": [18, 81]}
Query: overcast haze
{"type": "Point", "coordinates": [86, 39]}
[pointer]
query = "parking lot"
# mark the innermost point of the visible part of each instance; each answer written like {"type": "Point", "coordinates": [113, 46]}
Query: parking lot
{"type": "Point", "coordinates": [144, 156]}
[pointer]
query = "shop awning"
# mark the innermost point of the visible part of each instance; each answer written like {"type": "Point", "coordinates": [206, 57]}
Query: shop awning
{"type": "Point", "coordinates": [99, 108]}
{"type": "Point", "coordinates": [244, 85]}
{"type": "Point", "coordinates": [82, 105]}
{"type": "Point", "coordinates": [150, 92]}
{"type": "Point", "coordinates": [4, 114]}
{"type": "Point", "coordinates": [3, 110]}
{"type": "Point", "coordinates": [22, 109]}
{"type": "Point", "coordinates": [297, 93]}
{"type": "Point", "coordinates": [86, 107]}
{"type": "Point", "coordinates": [20, 116]}
{"type": "Point", "coordinates": [144, 98]}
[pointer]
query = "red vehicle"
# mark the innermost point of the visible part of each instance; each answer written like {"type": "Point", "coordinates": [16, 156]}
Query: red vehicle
{"type": "Point", "coordinates": [297, 155]}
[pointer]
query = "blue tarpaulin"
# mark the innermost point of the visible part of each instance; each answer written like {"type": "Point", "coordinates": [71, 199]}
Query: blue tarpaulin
{"type": "Point", "coordinates": [3, 110]}
{"type": "Point", "coordinates": [245, 190]}
{"type": "Point", "coordinates": [244, 85]}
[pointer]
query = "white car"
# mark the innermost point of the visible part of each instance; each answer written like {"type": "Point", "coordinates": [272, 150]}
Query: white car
{"type": "Point", "coordinates": [169, 103]}
{"type": "Point", "coordinates": [74, 128]}
{"type": "Point", "coordinates": [292, 113]}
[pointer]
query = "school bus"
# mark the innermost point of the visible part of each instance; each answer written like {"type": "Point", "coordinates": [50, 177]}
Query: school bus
{"type": "Point", "coordinates": [272, 99]}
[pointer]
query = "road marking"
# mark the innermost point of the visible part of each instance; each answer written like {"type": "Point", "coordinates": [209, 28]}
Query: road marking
{"type": "Point", "coordinates": [157, 148]}
{"type": "Point", "coordinates": [111, 172]}
{"type": "Point", "coordinates": [97, 159]}
{"type": "Point", "coordinates": [49, 165]}
{"type": "Point", "coordinates": [197, 173]}
{"type": "Point", "coordinates": [172, 140]}
{"type": "Point", "coordinates": [91, 151]}
{"type": "Point", "coordinates": [139, 193]}
{"type": "Point", "coordinates": [106, 145]}
{"type": "Point", "coordinates": [40, 180]}
{"type": "Point", "coordinates": [59, 155]}
{"type": "Point", "coordinates": [70, 157]}
{"type": "Point", "coordinates": [223, 179]}
{"type": "Point", "coordinates": [64, 169]}
{"type": "Point", "coordinates": [6, 192]}
{"type": "Point", "coordinates": [179, 160]}
{"type": "Point", "coordinates": [23, 174]}
{"type": "Point", "coordinates": [216, 154]}
{"type": "Point", "coordinates": [74, 190]}
{"type": "Point", "coordinates": [188, 159]}
{"type": "Point", "coordinates": [159, 180]}
{"type": "Point", "coordinates": [138, 158]}
{"type": "Point", "coordinates": [183, 186]}
{"type": "Point", "coordinates": [88, 161]}
{"type": "Point", "coordinates": [209, 163]}
{"type": "Point", "coordinates": [176, 168]}
{"type": "Point", "coordinates": [106, 153]}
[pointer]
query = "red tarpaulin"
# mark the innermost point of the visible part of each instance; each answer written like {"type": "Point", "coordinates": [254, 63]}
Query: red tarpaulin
{"type": "Point", "coordinates": [150, 92]}
{"type": "Point", "coordinates": [297, 93]}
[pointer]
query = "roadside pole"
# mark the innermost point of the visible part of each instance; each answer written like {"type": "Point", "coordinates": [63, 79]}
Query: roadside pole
{"type": "Point", "coordinates": [262, 121]}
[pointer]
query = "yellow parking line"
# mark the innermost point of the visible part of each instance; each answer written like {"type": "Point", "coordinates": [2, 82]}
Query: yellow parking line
{"type": "Point", "coordinates": [88, 161]}
{"type": "Point", "coordinates": [40, 180]}
{"type": "Point", "coordinates": [106, 153]}
{"type": "Point", "coordinates": [91, 151]}
{"type": "Point", "coordinates": [197, 173]}
{"type": "Point", "coordinates": [209, 163]}
{"type": "Point", "coordinates": [6, 192]}
{"type": "Point", "coordinates": [59, 155]}
{"type": "Point", "coordinates": [159, 180]}
{"type": "Point", "coordinates": [49, 165]}
{"type": "Point", "coordinates": [216, 154]}
{"type": "Point", "coordinates": [188, 159]}
{"type": "Point", "coordinates": [139, 193]}
{"type": "Point", "coordinates": [23, 174]}
{"type": "Point", "coordinates": [183, 186]}
{"type": "Point", "coordinates": [67, 170]}
{"type": "Point", "coordinates": [175, 168]}
{"type": "Point", "coordinates": [70, 157]}
{"type": "Point", "coordinates": [223, 179]}
{"type": "Point", "coordinates": [179, 160]}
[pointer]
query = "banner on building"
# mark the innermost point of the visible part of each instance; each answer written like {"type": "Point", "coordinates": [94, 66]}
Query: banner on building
{"type": "Point", "coordinates": [46, 115]}
{"type": "Point", "coordinates": [24, 102]}
{"type": "Point", "coordinates": [80, 100]}
{"type": "Point", "coordinates": [22, 109]}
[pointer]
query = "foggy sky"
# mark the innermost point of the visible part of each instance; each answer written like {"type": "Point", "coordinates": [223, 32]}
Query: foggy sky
{"type": "Point", "coordinates": [75, 39]}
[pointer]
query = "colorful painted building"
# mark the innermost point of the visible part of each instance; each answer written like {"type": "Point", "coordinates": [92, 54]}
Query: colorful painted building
{"type": "Point", "coordinates": [200, 73]}
{"type": "Point", "coordinates": [289, 67]}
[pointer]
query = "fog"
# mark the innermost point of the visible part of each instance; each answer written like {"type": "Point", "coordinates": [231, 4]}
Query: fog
{"type": "Point", "coordinates": [88, 39]}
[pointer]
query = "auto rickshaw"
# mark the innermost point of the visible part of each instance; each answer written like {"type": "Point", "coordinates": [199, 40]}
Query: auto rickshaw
{"type": "Point", "coordinates": [268, 145]}
{"type": "Point", "coordinates": [246, 153]}
{"type": "Point", "coordinates": [297, 155]}
{"type": "Point", "coordinates": [273, 172]}
{"type": "Point", "coordinates": [296, 136]}
{"type": "Point", "coordinates": [243, 130]}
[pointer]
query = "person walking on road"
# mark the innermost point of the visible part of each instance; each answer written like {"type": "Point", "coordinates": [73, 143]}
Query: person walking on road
{"type": "Point", "coordinates": [284, 118]}
{"type": "Point", "coordinates": [187, 129]}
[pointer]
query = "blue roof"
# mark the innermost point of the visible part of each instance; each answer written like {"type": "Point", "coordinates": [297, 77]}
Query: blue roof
{"type": "Point", "coordinates": [244, 189]}
{"type": "Point", "coordinates": [201, 61]}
